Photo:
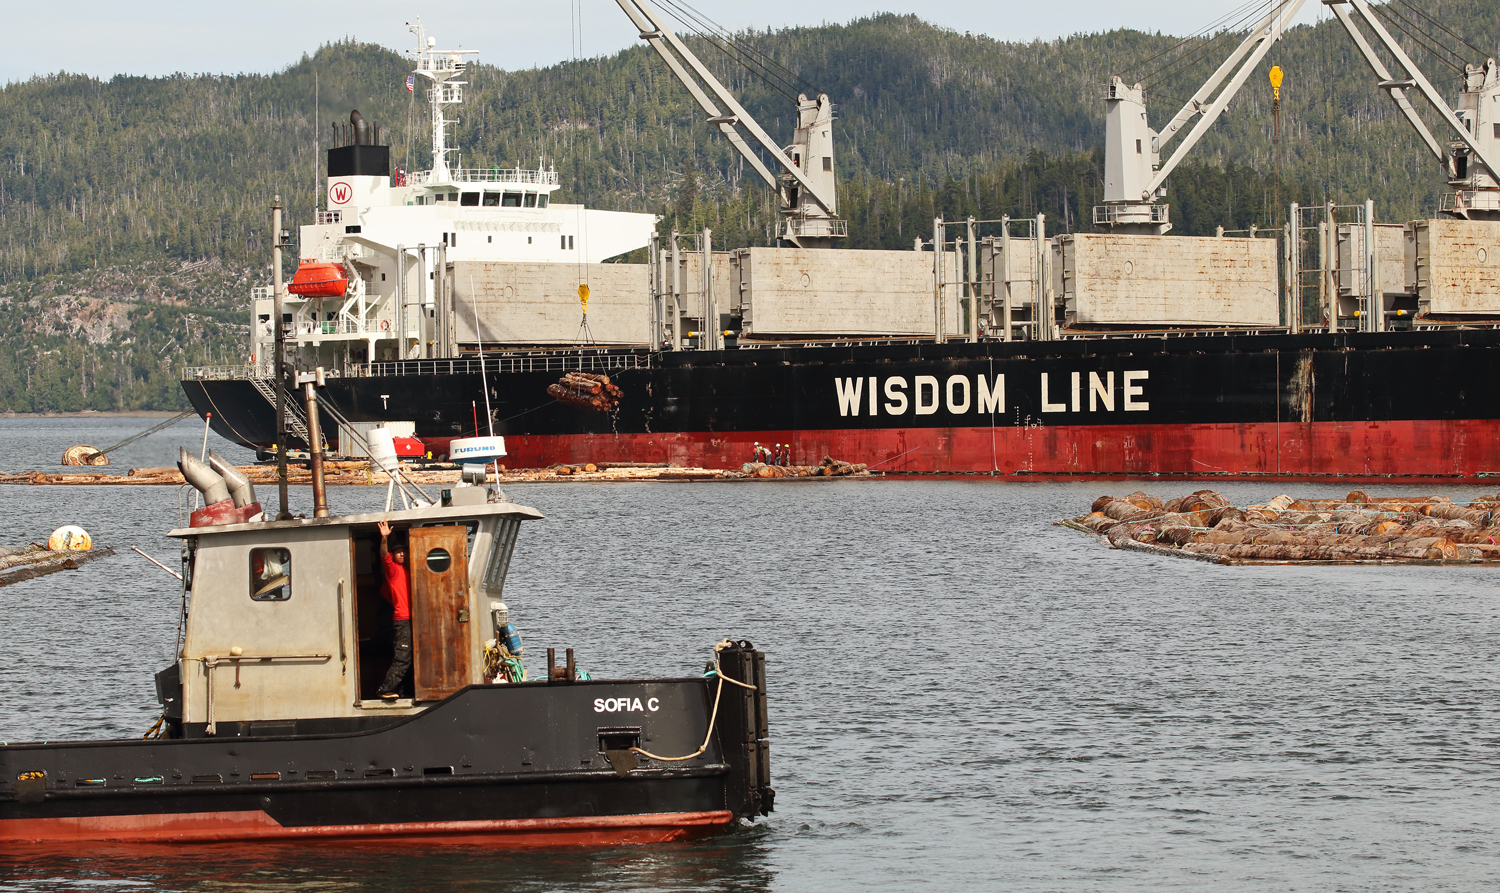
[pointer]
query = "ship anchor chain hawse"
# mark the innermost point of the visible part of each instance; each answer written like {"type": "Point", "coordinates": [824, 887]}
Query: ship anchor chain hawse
{"type": "Point", "coordinates": [274, 727]}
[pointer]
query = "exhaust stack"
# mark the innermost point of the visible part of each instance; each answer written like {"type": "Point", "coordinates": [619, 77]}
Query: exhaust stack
{"type": "Point", "coordinates": [240, 488]}
{"type": "Point", "coordinates": [208, 481]}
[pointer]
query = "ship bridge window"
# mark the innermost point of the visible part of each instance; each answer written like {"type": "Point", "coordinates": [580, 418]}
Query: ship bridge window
{"type": "Point", "coordinates": [492, 199]}
{"type": "Point", "coordinates": [270, 575]}
{"type": "Point", "coordinates": [512, 199]}
{"type": "Point", "coordinates": [531, 199]}
{"type": "Point", "coordinates": [541, 200]}
{"type": "Point", "coordinates": [470, 200]}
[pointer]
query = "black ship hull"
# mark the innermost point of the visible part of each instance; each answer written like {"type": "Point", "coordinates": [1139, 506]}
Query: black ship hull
{"type": "Point", "coordinates": [1412, 405]}
{"type": "Point", "coordinates": [528, 764]}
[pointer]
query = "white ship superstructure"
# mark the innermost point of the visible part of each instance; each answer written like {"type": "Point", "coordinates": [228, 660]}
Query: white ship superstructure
{"type": "Point", "coordinates": [402, 239]}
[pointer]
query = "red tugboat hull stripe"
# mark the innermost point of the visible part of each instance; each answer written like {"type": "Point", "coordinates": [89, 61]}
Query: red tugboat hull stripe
{"type": "Point", "coordinates": [220, 827]}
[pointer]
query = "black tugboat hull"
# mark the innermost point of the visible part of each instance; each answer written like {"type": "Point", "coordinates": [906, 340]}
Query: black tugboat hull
{"type": "Point", "coordinates": [519, 765]}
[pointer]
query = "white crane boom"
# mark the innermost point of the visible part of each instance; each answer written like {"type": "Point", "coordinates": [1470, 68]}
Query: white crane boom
{"type": "Point", "coordinates": [1476, 125]}
{"type": "Point", "coordinates": [1255, 47]}
{"type": "Point", "coordinates": [809, 199]}
{"type": "Point", "coordinates": [1133, 172]}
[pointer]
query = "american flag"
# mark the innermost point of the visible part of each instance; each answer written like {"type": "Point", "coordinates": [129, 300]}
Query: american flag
{"type": "Point", "coordinates": [411, 81]}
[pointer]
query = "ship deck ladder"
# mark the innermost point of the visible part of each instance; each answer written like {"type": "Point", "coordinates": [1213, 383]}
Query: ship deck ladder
{"type": "Point", "coordinates": [295, 417]}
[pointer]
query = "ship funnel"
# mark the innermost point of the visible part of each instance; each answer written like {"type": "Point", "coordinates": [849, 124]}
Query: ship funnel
{"type": "Point", "coordinates": [208, 481]}
{"type": "Point", "coordinates": [361, 128]}
{"type": "Point", "coordinates": [240, 488]}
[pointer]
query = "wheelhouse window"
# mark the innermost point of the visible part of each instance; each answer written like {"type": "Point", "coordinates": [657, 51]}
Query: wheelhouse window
{"type": "Point", "coordinates": [531, 199]}
{"type": "Point", "coordinates": [470, 200]}
{"type": "Point", "coordinates": [541, 200]}
{"type": "Point", "coordinates": [512, 199]}
{"type": "Point", "coordinates": [270, 575]}
{"type": "Point", "coordinates": [492, 199]}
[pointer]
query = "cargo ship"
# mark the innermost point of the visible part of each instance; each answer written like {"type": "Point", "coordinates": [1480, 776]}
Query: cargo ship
{"type": "Point", "coordinates": [282, 719]}
{"type": "Point", "coordinates": [1333, 346]}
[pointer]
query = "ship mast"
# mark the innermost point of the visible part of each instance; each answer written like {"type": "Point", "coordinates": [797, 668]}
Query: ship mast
{"type": "Point", "coordinates": [441, 68]}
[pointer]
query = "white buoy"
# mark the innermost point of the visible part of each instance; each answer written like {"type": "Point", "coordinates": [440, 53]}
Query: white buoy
{"type": "Point", "coordinates": [70, 538]}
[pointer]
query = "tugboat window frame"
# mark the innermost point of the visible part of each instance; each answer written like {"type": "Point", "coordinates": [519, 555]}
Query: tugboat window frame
{"type": "Point", "coordinates": [263, 586]}
{"type": "Point", "coordinates": [512, 200]}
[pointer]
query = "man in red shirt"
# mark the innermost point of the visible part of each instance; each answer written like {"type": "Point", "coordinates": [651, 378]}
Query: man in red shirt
{"type": "Point", "coordinates": [398, 593]}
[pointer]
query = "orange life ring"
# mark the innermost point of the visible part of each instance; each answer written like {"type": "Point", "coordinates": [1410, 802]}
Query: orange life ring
{"type": "Point", "coordinates": [385, 325]}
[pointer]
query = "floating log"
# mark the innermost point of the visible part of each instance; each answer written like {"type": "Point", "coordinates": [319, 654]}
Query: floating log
{"type": "Point", "coordinates": [36, 561]}
{"type": "Point", "coordinates": [1358, 527]}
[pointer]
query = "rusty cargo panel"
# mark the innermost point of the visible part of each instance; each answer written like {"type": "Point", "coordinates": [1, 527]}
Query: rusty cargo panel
{"type": "Point", "coordinates": [1139, 280]}
{"type": "Point", "coordinates": [525, 304]}
{"type": "Point", "coordinates": [815, 292]}
{"type": "Point", "coordinates": [1456, 267]}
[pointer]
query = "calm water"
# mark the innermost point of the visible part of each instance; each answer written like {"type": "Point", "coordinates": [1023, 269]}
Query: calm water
{"type": "Point", "coordinates": [964, 697]}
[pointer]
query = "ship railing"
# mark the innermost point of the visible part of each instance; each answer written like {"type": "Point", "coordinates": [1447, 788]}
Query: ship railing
{"type": "Point", "coordinates": [1132, 213]}
{"type": "Point", "coordinates": [816, 227]}
{"type": "Point", "coordinates": [517, 176]}
{"type": "Point", "coordinates": [1469, 200]}
{"type": "Point", "coordinates": [602, 363]}
{"type": "Point", "coordinates": [327, 217]}
{"type": "Point", "coordinates": [307, 328]}
{"type": "Point", "coordinates": [228, 373]}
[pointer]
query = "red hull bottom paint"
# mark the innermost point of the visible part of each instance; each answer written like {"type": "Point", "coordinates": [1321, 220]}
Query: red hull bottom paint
{"type": "Point", "coordinates": [1410, 450]}
{"type": "Point", "coordinates": [220, 827]}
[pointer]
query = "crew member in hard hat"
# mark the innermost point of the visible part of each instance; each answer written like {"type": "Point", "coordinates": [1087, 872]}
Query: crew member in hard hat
{"type": "Point", "coordinates": [397, 591]}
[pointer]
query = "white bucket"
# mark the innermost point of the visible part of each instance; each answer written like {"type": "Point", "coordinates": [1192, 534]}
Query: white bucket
{"type": "Point", "coordinates": [382, 449]}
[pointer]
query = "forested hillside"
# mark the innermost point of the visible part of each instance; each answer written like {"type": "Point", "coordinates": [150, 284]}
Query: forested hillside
{"type": "Point", "coordinates": [109, 190]}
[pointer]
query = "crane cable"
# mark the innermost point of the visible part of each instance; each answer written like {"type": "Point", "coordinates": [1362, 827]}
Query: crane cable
{"type": "Point", "coordinates": [775, 75]}
{"type": "Point", "coordinates": [705, 24]}
{"type": "Point", "coordinates": [1440, 54]}
{"type": "Point", "coordinates": [1214, 33]}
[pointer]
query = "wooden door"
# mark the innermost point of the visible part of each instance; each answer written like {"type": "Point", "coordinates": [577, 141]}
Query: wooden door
{"type": "Point", "coordinates": [439, 564]}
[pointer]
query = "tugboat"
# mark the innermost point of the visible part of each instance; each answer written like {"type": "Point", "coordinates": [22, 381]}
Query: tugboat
{"type": "Point", "coordinates": [273, 727]}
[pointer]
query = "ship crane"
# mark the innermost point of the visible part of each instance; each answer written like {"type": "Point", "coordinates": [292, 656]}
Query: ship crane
{"type": "Point", "coordinates": [1134, 176]}
{"type": "Point", "coordinates": [1472, 159]}
{"type": "Point", "coordinates": [806, 186]}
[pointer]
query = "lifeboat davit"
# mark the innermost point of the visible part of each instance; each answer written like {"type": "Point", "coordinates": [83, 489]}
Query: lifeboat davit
{"type": "Point", "coordinates": [318, 279]}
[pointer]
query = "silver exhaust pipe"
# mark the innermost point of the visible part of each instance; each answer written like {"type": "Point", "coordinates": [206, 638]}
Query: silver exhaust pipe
{"type": "Point", "coordinates": [240, 488]}
{"type": "Point", "coordinates": [208, 481]}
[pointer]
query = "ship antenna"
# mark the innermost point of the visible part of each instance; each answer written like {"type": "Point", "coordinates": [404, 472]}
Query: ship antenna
{"type": "Point", "coordinates": [489, 419]}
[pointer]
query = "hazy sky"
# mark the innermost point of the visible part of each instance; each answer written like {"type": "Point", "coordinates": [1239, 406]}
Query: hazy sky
{"type": "Point", "coordinates": [155, 37]}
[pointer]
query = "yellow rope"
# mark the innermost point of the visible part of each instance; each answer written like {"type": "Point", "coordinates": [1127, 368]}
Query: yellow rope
{"type": "Point", "coordinates": [712, 717]}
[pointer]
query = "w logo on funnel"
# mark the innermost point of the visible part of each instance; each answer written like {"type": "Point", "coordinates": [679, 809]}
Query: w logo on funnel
{"type": "Point", "coordinates": [340, 193]}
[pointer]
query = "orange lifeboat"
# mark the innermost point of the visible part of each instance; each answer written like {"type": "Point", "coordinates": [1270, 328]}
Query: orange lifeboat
{"type": "Point", "coordinates": [318, 279]}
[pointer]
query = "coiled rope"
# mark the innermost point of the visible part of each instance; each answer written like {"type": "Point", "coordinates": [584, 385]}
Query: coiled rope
{"type": "Point", "coordinates": [712, 717]}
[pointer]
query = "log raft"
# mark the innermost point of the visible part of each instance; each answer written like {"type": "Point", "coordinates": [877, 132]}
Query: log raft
{"type": "Point", "coordinates": [1356, 529]}
{"type": "Point", "coordinates": [37, 561]}
{"type": "Point", "coordinates": [348, 474]}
